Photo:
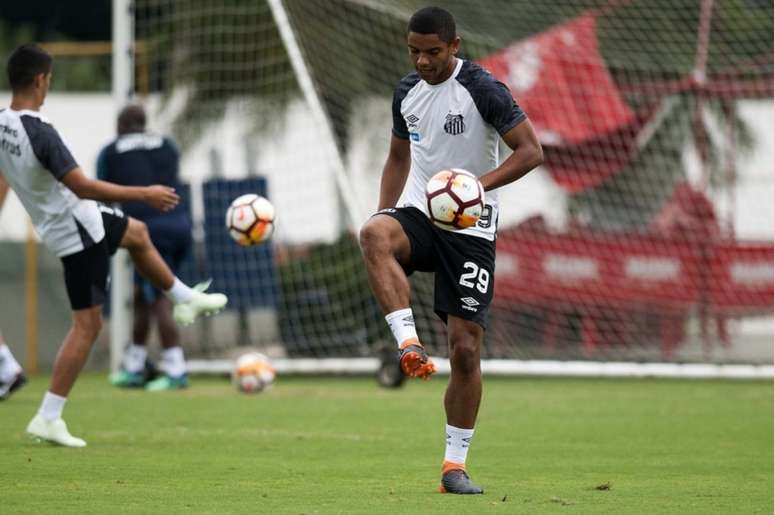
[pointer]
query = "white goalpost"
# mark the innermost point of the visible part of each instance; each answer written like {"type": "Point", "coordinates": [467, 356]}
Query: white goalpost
{"type": "Point", "coordinates": [120, 268]}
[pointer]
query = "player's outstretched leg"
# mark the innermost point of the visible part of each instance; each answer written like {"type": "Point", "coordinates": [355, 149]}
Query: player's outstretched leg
{"type": "Point", "coordinates": [385, 246]}
{"type": "Point", "coordinates": [414, 361]}
{"type": "Point", "coordinates": [11, 375]}
{"type": "Point", "coordinates": [190, 303]}
{"type": "Point", "coordinates": [47, 424]}
{"type": "Point", "coordinates": [455, 480]}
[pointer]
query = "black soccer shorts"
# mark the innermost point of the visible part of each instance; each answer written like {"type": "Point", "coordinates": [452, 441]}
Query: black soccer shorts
{"type": "Point", "coordinates": [86, 272]}
{"type": "Point", "coordinates": [463, 265]}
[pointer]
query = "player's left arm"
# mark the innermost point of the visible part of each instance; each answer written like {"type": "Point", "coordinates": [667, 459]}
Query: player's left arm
{"type": "Point", "coordinates": [527, 154]}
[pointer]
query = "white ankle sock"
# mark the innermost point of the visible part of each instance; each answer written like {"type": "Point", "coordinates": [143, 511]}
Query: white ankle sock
{"type": "Point", "coordinates": [179, 292]}
{"type": "Point", "coordinates": [173, 361]}
{"type": "Point", "coordinates": [134, 358]}
{"type": "Point", "coordinates": [52, 406]}
{"type": "Point", "coordinates": [401, 323]}
{"type": "Point", "coordinates": [457, 444]}
{"type": "Point", "coordinates": [9, 367]}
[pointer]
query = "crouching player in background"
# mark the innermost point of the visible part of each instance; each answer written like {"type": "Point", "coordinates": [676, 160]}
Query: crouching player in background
{"type": "Point", "coordinates": [11, 374]}
{"type": "Point", "coordinates": [61, 202]}
{"type": "Point", "coordinates": [450, 113]}
{"type": "Point", "coordinates": [139, 158]}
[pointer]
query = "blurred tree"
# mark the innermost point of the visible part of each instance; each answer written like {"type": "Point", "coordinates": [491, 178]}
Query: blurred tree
{"type": "Point", "coordinates": [214, 54]}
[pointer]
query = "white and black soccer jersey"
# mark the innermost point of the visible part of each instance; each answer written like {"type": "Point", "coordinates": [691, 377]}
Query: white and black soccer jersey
{"type": "Point", "coordinates": [33, 159]}
{"type": "Point", "coordinates": [454, 124]}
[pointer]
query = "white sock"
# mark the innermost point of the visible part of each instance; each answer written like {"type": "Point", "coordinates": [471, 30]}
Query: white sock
{"type": "Point", "coordinates": [172, 361]}
{"type": "Point", "coordinates": [457, 443]}
{"type": "Point", "coordinates": [179, 292]}
{"type": "Point", "coordinates": [401, 324]}
{"type": "Point", "coordinates": [134, 358]}
{"type": "Point", "coordinates": [52, 406]}
{"type": "Point", "coordinates": [9, 367]}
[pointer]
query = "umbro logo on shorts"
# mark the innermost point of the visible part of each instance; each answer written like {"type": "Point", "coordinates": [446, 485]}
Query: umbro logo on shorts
{"type": "Point", "coordinates": [110, 210]}
{"type": "Point", "coordinates": [469, 303]}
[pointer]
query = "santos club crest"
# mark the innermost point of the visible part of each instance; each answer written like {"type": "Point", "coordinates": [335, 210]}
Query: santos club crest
{"type": "Point", "coordinates": [454, 124]}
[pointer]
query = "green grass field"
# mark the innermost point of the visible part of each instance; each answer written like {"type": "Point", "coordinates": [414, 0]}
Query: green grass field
{"type": "Point", "coordinates": [332, 445]}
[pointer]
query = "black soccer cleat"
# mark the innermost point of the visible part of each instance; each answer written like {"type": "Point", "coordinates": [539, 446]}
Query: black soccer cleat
{"type": "Point", "coordinates": [457, 481]}
{"type": "Point", "coordinates": [17, 383]}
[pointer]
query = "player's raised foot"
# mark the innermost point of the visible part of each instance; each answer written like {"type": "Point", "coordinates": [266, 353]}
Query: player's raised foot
{"type": "Point", "coordinates": [125, 379]}
{"type": "Point", "coordinates": [414, 361]}
{"type": "Point", "coordinates": [455, 480]}
{"type": "Point", "coordinates": [6, 389]}
{"type": "Point", "coordinates": [201, 303]}
{"type": "Point", "coordinates": [54, 431]}
{"type": "Point", "coordinates": [166, 382]}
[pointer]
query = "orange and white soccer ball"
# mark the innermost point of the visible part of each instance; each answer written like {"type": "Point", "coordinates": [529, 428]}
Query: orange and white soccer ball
{"type": "Point", "coordinates": [455, 199]}
{"type": "Point", "coordinates": [253, 373]}
{"type": "Point", "coordinates": [250, 219]}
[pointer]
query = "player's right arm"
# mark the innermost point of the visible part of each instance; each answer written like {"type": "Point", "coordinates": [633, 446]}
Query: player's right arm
{"type": "Point", "coordinates": [157, 196]}
{"type": "Point", "coordinates": [395, 172]}
{"type": "Point", "coordinates": [398, 165]}
{"type": "Point", "coordinates": [55, 157]}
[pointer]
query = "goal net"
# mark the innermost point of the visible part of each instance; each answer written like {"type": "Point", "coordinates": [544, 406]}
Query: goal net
{"type": "Point", "coordinates": [645, 236]}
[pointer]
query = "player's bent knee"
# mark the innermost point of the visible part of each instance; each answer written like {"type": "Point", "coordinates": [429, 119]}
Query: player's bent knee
{"type": "Point", "coordinates": [137, 235]}
{"type": "Point", "coordinates": [373, 237]}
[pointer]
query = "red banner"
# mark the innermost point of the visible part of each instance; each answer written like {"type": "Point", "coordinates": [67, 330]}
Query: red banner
{"type": "Point", "coordinates": [561, 81]}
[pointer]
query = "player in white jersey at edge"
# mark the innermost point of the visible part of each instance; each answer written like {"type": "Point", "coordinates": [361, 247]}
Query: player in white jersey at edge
{"type": "Point", "coordinates": [61, 201]}
{"type": "Point", "coordinates": [450, 113]}
{"type": "Point", "coordinates": [11, 374]}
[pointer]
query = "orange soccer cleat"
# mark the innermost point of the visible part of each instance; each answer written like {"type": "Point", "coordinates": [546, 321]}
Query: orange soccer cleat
{"type": "Point", "coordinates": [414, 361]}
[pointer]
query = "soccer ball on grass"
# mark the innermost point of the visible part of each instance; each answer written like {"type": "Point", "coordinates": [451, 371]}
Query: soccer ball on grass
{"type": "Point", "coordinates": [253, 373]}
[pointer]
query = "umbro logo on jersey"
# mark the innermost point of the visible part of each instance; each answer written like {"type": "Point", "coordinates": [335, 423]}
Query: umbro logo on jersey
{"type": "Point", "coordinates": [454, 124]}
{"type": "Point", "coordinates": [469, 303]}
{"type": "Point", "coordinates": [412, 121]}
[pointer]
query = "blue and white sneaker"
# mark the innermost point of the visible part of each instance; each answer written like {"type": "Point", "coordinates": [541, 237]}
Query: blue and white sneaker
{"type": "Point", "coordinates": [166, 382]}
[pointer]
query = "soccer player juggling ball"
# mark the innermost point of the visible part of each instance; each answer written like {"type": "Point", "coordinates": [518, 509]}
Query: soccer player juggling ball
{"type": "Point", "coordinates": [449, 113]}
{"type": "Point", "coordinates": [61, 201]}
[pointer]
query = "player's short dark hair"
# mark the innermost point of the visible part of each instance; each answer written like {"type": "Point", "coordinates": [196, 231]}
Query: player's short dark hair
{"type": "Point", "coordinates": [25, 63]}
{"type": "Point", "coordinates": [434, 20]}
{"type": "Point", "coordinates": [131, 119]}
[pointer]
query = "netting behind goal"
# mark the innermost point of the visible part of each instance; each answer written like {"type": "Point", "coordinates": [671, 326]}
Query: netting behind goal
{"type": "Point", "coordinates": [645, 236]}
